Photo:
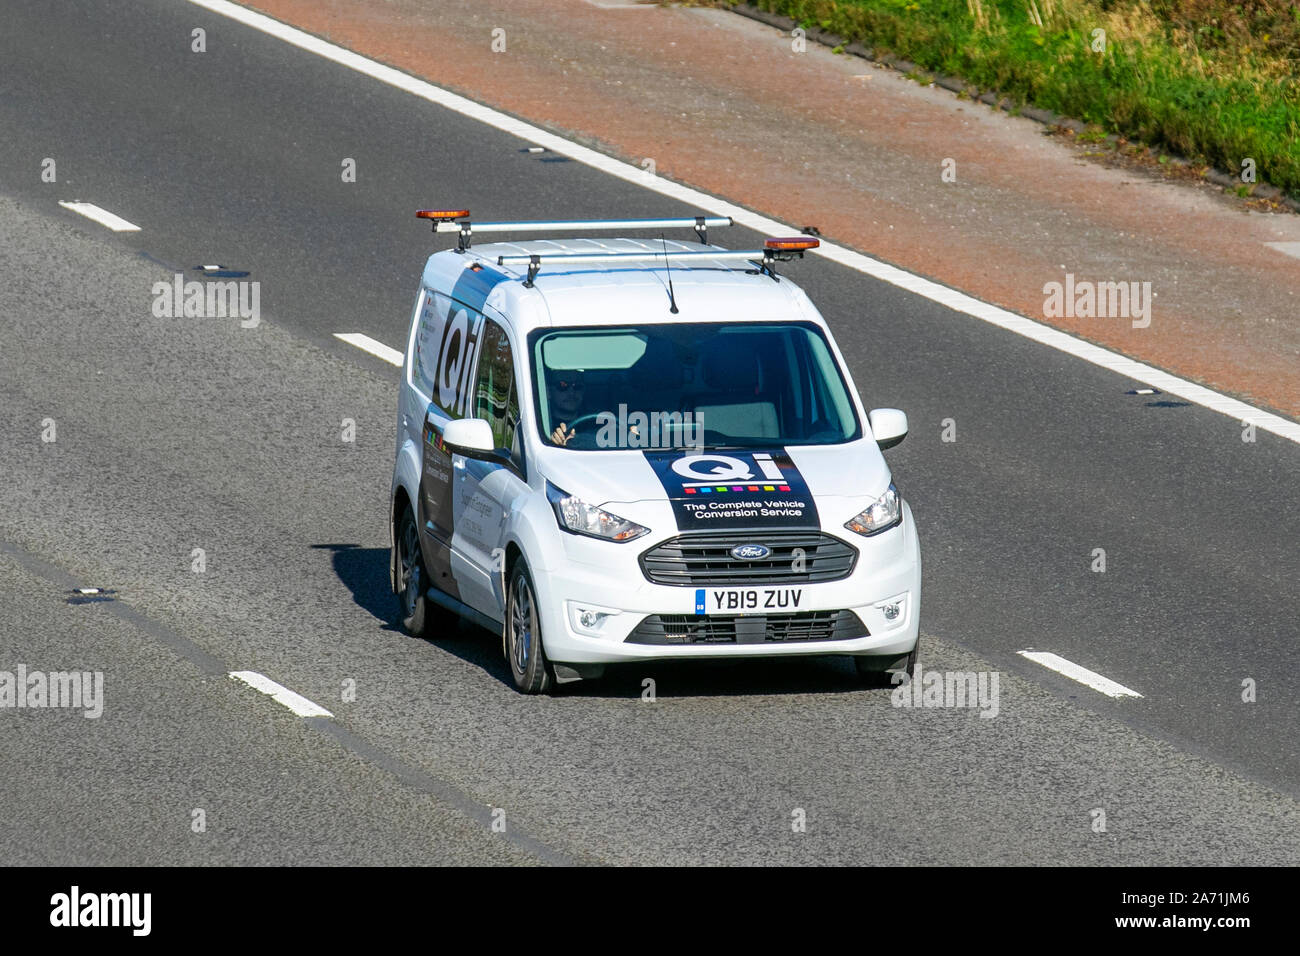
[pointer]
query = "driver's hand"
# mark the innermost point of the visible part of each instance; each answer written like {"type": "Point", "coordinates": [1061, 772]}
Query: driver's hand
{"type": "Point", "coordinates": [559, 436]}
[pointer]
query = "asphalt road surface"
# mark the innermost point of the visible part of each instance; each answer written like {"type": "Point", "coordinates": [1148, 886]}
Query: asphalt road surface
{"type": "Point", "coordinates": [176, 434]}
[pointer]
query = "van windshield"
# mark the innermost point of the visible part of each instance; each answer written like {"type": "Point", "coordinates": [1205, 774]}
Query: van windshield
{"type": "Point", "coordinates": [690, 385]}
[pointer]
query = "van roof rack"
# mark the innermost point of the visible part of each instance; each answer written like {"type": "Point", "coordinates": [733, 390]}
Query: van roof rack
{"type": "Point", "coordinates": [774, 250]}
{"type": "Point", "coordinates": [460, 218]}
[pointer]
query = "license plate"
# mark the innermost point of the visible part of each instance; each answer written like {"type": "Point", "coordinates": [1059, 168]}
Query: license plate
{"type": "Point", "coordinates": [746, 600]}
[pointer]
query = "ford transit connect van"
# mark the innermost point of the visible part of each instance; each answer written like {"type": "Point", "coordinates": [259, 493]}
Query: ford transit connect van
{"type": "Point", "coordinates": [623, 449]}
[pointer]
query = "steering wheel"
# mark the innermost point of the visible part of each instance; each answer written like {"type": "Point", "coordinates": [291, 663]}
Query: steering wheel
{"type": "Point", "coordinates": [573, 425]}
{"type": "Point", "coordinates": [581, 438]}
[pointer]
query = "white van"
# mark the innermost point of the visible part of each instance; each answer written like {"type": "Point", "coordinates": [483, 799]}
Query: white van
{"type": "Point", "coordinates": [630, 450]}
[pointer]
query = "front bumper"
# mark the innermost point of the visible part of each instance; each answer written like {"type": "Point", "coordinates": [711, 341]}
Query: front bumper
{"type": "Point", "coordinates": [595, 576]}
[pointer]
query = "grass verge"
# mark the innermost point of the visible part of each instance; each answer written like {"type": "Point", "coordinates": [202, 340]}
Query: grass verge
{"type": "Point", "coordinates": [1212, 80]}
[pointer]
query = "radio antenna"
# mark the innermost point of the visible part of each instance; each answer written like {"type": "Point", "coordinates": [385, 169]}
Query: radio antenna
{"type": "Point", "coordinates": [672, 299]}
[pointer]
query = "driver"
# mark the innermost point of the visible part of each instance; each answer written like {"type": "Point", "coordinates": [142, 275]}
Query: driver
{"type": "Point", "coordinates": [566, 392]}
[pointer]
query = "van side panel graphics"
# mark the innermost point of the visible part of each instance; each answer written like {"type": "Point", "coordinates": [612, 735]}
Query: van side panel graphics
{"type": "Point", "coordinates": [446, 346]}
{"type": "Point", "coordinates": [451, 330]}
{"type": "Point", "coordinates": [436, 510]}
{"type": "Point", "coordinates": [716, 491]}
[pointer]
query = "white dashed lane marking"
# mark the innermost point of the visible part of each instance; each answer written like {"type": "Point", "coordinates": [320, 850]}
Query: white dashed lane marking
{"type": "Point", "coordinates": [280, 694]}
{"type": "Point", "coordinates": [1081, 674]}
{"type": "Point", "coordinates": [375, 348]}
{"type": "Point", "coordinates": [101, 216]}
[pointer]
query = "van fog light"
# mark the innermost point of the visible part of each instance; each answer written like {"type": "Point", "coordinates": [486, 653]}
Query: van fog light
{"type": "Point", "coordinates": [590, 619]}
{"type": "Point", "coordinates": [893, 610]}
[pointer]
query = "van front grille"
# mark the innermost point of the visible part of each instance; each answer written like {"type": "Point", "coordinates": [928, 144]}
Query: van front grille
{"type": "Point", "coordinates": [795, 557]}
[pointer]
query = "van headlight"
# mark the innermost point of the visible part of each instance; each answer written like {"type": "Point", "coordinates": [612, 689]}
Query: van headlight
{"type": "Point", "coordinates": [577, 516]}
{"type": "Point", "coordinates": [882, 514]}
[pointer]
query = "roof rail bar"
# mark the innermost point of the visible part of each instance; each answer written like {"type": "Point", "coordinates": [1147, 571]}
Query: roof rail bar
{"type": "Point", "coordinates": [774, 250]}
{"type": "Point", "coordinates": [460, 218]}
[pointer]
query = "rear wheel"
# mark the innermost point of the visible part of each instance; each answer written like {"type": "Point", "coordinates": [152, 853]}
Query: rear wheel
{"type": "Point", "coordinates": [411, 577]}
{"type": "Point", "coordinates": [529, 667]}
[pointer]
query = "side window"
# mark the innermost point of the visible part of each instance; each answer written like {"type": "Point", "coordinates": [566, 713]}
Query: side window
{"type": "Point", "coordinates": [425, 351]}
{"type": "Point", "coordinates": [495, 395]}
{"type": "Point", "coordinates": [446, 346]}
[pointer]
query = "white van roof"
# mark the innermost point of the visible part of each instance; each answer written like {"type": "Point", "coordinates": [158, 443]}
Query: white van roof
{"type": "Point", "coordinates": [614, 292]}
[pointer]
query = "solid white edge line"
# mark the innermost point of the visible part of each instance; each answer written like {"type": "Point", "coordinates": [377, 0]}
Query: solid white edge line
{"type": "Point", "coordinates": [1081, 674]}
{"type": "Point", "coordinates": [952, 299]}
{"type": "Point", "coordinates": [374, 347]}
{"type": "Point", "coordinates": [280, 694]}
{"type": "Point", "coordinates": [101, 216]}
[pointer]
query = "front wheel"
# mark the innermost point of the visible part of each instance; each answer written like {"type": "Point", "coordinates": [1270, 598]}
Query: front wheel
{"type": "Point", "coordinates": [529, 667]}
{"type": "Point", "coordinates": [411, 576]}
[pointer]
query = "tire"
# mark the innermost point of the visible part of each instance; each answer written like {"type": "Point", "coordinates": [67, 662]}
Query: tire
{"type": "Point", "coordinates": [884, 677]}
{"type": "Point", "coordinates": [412, 578]}
{"type": "Point", "coordinates": [525, 655]}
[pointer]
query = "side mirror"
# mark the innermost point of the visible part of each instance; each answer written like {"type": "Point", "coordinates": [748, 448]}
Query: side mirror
{"type": "Point", "coordinates": [471, 437]}
{"type": "Point", "coordinates": [888, 425]}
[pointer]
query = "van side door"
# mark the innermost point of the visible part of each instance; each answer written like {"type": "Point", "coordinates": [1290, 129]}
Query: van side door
{"type": "Point", "coordinates": [486, 491]}
{"type": "Point", "coordinates": [446, 351]}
